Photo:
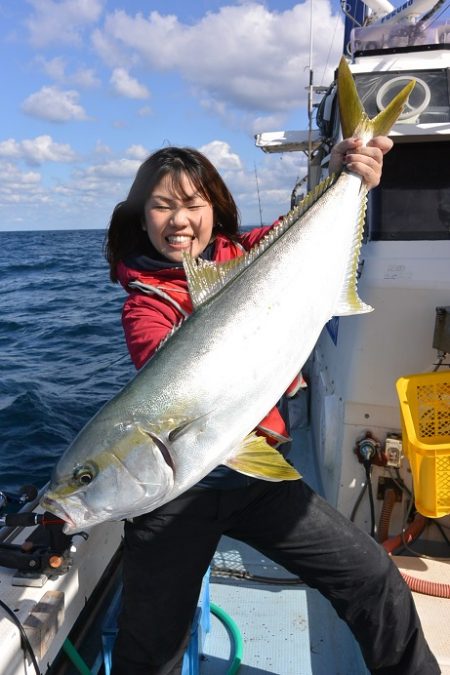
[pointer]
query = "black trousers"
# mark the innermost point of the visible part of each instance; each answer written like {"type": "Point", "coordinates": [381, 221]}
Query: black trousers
{"type": "Point", "coordinates": [168, 551]}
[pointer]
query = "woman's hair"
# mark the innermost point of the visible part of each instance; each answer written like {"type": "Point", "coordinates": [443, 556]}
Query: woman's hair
{"type": "Point", "coordinates": [125, 233]}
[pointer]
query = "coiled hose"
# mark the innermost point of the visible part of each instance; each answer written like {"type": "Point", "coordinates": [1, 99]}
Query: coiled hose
{"type": "Point", "coordinates": [412, 532]}
{"type": "Point", "coordinates": [238, 645]}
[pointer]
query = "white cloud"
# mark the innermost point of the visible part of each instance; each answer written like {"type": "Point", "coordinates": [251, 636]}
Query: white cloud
{"type": "Point", "coordinates": [20, 187]}
{"type": "Point", "coordinates": [248, 121]}
{"type": "Point", "coordinates": [220, 154]}
{"type": "Point", "coordinates": [119, 168]}
{"type": "Point", "coordinates": [102, 149]}
{"type": "Point", "coordinates": [128, 86]}
{"type": "Point", "coordinates": [12, 175]}
{"type": "Point", "coordinates": [9, 148]}
{"type": "Point", "coordinates": [145, 111]}
{"type": "Point", "coordinates": [244, 55]}
{"type": "Point", "coordinates": [83, 77]}
{"type": "Point", "coordinates": [54, 105]}
{"type": "Point", "coordinates": [56, 69]}
{"type": "Point", "coordinates": [109, 50]}
{"type": "Point", "coordinates": [277, 175]}
{"type": "Point", "coordinates": [61, 21]}
{"type": "Point", "coordinates": [37, 150]}
{"type": "Point", "coordinates": [137, 152]}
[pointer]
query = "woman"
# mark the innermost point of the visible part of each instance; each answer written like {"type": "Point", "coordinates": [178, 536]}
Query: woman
{"type": "Point", "coordinates": [177, 203]}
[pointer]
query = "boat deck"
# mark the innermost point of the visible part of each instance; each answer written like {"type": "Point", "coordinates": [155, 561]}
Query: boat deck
{"type": "Point", "coordinates": [286, 629]}
{"type": "Point", "coordinates": [434, 612]}
{"type": "Point", "coordinates": [291, 629]}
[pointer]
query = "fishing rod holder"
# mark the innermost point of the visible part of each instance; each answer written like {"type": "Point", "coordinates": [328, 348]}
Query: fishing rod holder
{"type": "Point", "coordinates": [47, 551]}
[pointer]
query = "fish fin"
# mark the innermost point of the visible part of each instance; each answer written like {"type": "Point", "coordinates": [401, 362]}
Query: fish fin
{"type": "Point", "coordinates": [349, 301]}
{"type": "Point", "coordinates": [206, 278]}
{"type": "Point", "coordinates": [256, 458]}
{"type": "Point", "coordinates": [351, 110]}
{"type": "Point", "coordinates": [354, 120]}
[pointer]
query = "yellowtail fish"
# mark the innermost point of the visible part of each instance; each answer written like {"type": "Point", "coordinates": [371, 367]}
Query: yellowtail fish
{"type": "Point", "coordinates": [255, 321]}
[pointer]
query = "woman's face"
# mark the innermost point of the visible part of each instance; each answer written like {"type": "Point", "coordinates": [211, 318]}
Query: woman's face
{"type": "Point", "coordinates": [178, 223]}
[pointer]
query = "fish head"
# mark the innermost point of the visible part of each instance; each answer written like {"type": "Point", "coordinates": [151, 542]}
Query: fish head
{"type": "Point", "coordinates": [129, 474]}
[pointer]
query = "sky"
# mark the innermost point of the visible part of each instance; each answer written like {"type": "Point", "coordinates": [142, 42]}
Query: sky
{"type": "Point", "coordinates": [91, 87]}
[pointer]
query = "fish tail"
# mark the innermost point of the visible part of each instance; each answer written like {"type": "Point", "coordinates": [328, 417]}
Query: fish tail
{"type": "Point", "coordinates": [354, 119]}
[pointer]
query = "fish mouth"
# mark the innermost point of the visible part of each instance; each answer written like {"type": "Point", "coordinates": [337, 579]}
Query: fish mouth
{"type": "Point", "coordinates": [57, 510]}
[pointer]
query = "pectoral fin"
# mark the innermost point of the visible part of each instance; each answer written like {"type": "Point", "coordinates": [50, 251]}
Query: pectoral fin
{"type": "Point", "coordinates": [256, 458]}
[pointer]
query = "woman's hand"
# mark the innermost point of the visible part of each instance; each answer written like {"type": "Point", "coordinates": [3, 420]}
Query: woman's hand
{"type": "Point", "coordinates": [367, 161]}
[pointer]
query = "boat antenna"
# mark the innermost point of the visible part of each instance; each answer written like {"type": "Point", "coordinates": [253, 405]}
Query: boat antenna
{"type": "Point", "coordinates": [311, 81]}
{"type": "Point", "coordinates": [259, 196]}
{"type": "Point", "coordinates": [432, 11]}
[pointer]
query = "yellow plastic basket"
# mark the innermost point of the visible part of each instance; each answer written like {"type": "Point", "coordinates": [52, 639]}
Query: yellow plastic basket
{"type": "Point", "coordinates": [425, 410]}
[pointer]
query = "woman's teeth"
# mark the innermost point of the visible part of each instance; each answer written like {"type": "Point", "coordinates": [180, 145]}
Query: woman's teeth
{"type": "Point", "coordinates": [178, 239]}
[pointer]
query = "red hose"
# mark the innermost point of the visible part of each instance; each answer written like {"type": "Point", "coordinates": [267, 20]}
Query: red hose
{"type": "Point", "coordinates": [411, 533]}
{"type": "Point", "coordinates": [418, 585]}
{"type": "Point", "coordinates": [427, 587]}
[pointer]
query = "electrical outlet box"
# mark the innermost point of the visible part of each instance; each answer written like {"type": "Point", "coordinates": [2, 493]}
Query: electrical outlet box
{"type": "Point", "coordinates": [393, 450]}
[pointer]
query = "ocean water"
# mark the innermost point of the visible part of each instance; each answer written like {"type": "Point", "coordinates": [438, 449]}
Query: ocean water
{"type": "Point", "coordinates": [62, 349]}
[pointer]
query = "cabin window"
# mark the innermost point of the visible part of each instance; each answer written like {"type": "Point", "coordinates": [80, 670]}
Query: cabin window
{"type": "Point", "coordinates": [413, 199]}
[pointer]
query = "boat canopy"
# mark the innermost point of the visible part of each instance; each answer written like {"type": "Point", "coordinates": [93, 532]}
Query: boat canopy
{"type": "Point", "coordinates": [288, 141]}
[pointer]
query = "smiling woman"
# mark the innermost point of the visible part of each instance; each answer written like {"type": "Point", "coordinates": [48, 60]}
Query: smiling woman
{"type": "Point", "coordinates": [177, 202]}
{"type": "Point", "coordinates": [178, 219]}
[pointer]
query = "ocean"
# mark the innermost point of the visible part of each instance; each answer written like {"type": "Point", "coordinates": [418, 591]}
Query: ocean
{"type": "Point", "coordinates": [62, 349]}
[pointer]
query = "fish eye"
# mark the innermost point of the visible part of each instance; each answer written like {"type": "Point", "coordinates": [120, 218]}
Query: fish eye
{"type": "Point", "coordinates": [85, 474]}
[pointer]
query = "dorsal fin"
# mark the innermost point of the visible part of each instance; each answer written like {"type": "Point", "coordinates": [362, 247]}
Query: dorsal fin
{"type": "Point", "coordinates": [206, 279]}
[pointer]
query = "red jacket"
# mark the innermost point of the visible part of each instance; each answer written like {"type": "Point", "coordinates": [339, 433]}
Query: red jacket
{"type": "Point", "coordinates": [159, 299]}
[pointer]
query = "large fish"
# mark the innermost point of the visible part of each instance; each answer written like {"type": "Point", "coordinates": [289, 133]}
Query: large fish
{"type": "Point", "coordinates": [255, 321]}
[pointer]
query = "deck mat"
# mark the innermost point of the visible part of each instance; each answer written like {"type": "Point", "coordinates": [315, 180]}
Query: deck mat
{"type": "Point", "coordinates": [286, 630]}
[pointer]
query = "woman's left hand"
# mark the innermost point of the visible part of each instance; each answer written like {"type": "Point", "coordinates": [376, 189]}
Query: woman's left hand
{"type": "Point", "coordinates": [367, 161]}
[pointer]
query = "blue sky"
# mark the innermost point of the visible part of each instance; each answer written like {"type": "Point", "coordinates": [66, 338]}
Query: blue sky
{"type": "Point", "coordinates": [91, 87]}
